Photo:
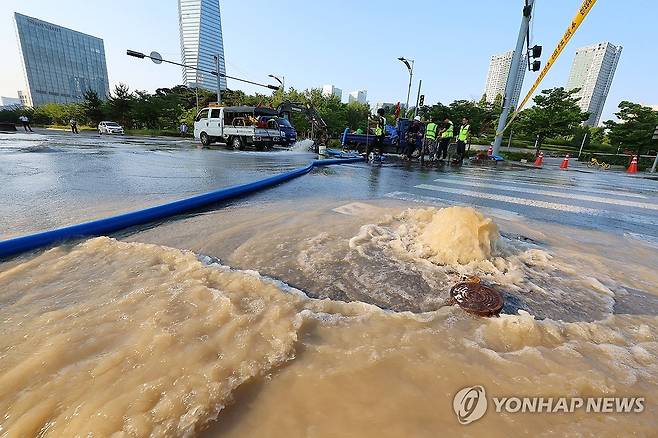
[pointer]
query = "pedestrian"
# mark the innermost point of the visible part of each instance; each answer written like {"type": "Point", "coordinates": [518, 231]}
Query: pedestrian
{"type": "Point", "coordinates": [447, 132]}
{"type": "Point", "coordinates": [413, 135]}
{"type": "Point", "coordinates": [26, 122]}
{"type": "Point", "coordinates": [429, 145]}
{"type": "Point", "coordinates": [462, 137]}
{"type": "Point", "coordinates": [74, 125]}
{"type": "Point", "coordinates": [183, 129]}
{"type": "Point", "coordinates": [379, 128]}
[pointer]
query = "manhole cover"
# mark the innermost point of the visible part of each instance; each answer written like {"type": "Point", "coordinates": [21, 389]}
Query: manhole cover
{"type": "Point", "coordinates": [477, 298]}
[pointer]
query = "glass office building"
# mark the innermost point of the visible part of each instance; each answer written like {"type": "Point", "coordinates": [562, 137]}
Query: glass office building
{"type": "Point", "coordinates": [200, 41]}
{"type": "Point", "coordinates": [60, 64]}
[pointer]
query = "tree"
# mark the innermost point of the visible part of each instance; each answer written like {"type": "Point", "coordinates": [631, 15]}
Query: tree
{"type": "Point", "coordinates": [599, 135]}
{"type": "Point", "coordinates": [356, 115]}
{"type": "Point", "coordinates": [635, 127]}
{"type": "Point", "coordinates": [556, 112]}
{"type": "Point", "coordinates": [483, 101]}
{"type": "Point", "coordinates": [92, 107]}
{"type": "Point", "coordinates": [498, 103]}
{"type": "Point", "coordinates": [478, 116]}
{"type": "Point", "coordinates": [120, 105]}
{"type": "Point", "coordinates": [438, 112]}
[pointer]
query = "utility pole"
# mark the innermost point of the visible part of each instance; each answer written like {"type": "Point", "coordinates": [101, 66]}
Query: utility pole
{"type": "Point", "coordinates": [420, 84]}
{"type": "Point", "coordinates": [655, 161]}
{"type": "Point", "coordinates": [219, 81]}
{"type": "Point", "coordinates": [513, 73]}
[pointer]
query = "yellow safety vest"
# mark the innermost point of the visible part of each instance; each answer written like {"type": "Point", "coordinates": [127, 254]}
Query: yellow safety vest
{"type": "Point", "coordinates": [463, 132]}
{"type": "Point", "coordinates": [381, 126]}
{"type": "Point", "coordinates": [448, 133]}
{"type": "Point", "coordinates": [430, 131]}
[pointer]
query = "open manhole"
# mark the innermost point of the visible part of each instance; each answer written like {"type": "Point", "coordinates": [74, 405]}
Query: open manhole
{"type": "Point", "coordinates": [477, 298]}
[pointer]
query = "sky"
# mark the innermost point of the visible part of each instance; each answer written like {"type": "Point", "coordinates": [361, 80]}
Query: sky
{"type": "Point", "coordinates": [354, 44]}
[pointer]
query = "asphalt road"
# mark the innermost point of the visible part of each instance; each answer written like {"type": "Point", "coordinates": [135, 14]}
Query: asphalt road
{"type": "Point", "coordinates": [50, 179]}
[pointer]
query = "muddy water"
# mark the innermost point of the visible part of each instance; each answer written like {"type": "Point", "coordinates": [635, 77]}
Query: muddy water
{"type": "Point", "coordinates": [331, 321]}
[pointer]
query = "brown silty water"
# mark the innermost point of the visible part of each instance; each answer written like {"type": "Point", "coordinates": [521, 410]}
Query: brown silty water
{"type": "Point", "coordinates": [326, 320]}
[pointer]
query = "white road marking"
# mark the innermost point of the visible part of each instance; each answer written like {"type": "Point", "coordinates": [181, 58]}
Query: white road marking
{"type": "Point", "coordinates": [509, 215]}
{"type": "Point", "coordinates": [512, 199]}
{"type": "Point", "coordinates": [530, 182]}
{"type": "Point", "coordinates": [565, 194]}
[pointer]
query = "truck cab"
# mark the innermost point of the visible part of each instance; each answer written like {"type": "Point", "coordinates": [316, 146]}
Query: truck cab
{"type": "Point", "coordinates": [237, 126]}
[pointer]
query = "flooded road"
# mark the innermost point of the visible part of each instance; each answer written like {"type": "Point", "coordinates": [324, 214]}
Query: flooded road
{"type": "Point", "coordinates": [320, 307]}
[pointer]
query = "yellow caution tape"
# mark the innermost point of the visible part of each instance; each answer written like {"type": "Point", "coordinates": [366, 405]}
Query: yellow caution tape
{"type": "Point", "coordinates": [571, 30]}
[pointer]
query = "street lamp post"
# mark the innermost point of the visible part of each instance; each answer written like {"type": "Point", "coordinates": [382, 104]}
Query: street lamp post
{"type": "Point", "coordinates": [156, 58]}
{"type": "Point", "coordinates": [410, 66]}
{"type": "Point", "coordinates": [281, 81]}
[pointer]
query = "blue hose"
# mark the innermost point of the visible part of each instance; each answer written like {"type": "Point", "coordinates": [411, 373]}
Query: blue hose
{"type": "Point", "coordinates": [99, 227]}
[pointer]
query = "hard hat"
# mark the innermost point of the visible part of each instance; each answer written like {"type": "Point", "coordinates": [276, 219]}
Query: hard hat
{"type": "Point", "coordinates": [417, 118]}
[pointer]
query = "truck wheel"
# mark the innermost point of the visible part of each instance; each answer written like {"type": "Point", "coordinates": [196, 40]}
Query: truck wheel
{"type": "Point", "coordinates": [205, 139]}
{"type": "Point", "coordinates": [236, 143]}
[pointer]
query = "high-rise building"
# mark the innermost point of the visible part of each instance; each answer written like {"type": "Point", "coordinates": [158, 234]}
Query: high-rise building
{"type": "Point", "coordinates": [59, 64]}
{"type": "Point", "coordinates": [358, 96]}
{"type": "Point", "coordinates": [200, 42]}
{"type": "Point", "coordinates": [499, 69]}
{"type": "Point", "coordinates": [22, 96]}
{"type": "Point", "coordinates": [592, 71]}
{"type": "Point", "coordinates": [328, 90]}
{"type": "Point", "coordinates": [10, 101]}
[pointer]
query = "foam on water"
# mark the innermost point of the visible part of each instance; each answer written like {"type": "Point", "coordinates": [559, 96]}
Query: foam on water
{"type": "Point", "coordinates": [134, 339]}
{"type": "Point", "coordinates": [129, 338]}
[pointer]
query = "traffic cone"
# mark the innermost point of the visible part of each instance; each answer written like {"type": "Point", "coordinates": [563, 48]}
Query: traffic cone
{"type": "Point", "coordinates": [539, 160]}
{"type": "Point", "coordinates": [565, 162]}
{"type": "Point", "coordinates": [490, 151]}
{"type": "Point", "coordinates": [633, 167]}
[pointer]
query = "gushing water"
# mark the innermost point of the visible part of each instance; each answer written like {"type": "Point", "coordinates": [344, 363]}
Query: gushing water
{"type": "Point", "coordinates": [142, 339]}
{"type": "Point", "coordinates": [302, 145]}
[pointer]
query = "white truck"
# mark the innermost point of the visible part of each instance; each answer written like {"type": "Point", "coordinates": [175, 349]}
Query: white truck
{"type": "Point", "coordinates": [238, 126]}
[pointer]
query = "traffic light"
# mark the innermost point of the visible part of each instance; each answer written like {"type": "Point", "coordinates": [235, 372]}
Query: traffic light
{"type": "Point", "coordinates": [421, 102]}
{"type": "Point", "coordinates": [534, 52]}
{"type": "Point", "coordinates": [655, 134]}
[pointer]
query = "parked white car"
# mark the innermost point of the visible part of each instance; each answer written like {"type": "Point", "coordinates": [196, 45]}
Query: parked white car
{"type": "Point", "coordinates": [110, 128]}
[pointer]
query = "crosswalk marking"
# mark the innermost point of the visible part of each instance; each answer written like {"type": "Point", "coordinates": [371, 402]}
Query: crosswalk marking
{"type": "Point", "coordinates": [529, 182]}
{"type": "Point", "coordinates": [508, 212]}
{"type": "Point", "coordinates": [512, 199]}
{"type": "Point", "coordinates": [565, 194]}
{"type": "Point", "coordinates": [490, 211]}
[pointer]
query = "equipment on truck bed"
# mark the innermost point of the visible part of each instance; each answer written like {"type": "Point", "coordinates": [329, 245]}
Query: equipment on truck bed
{"type": "Point", "coordinates": [319, 133]}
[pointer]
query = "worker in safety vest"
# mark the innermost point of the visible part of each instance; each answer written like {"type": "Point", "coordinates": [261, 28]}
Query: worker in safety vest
{"type": "Point", "coordinates": [379, 128]}
{"type": "Point", "coordinates": [429, 145]}
{"type": "Point", "coordinates": [447, 133]}
{"type": "Point", "coordinates": [462, 138]}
